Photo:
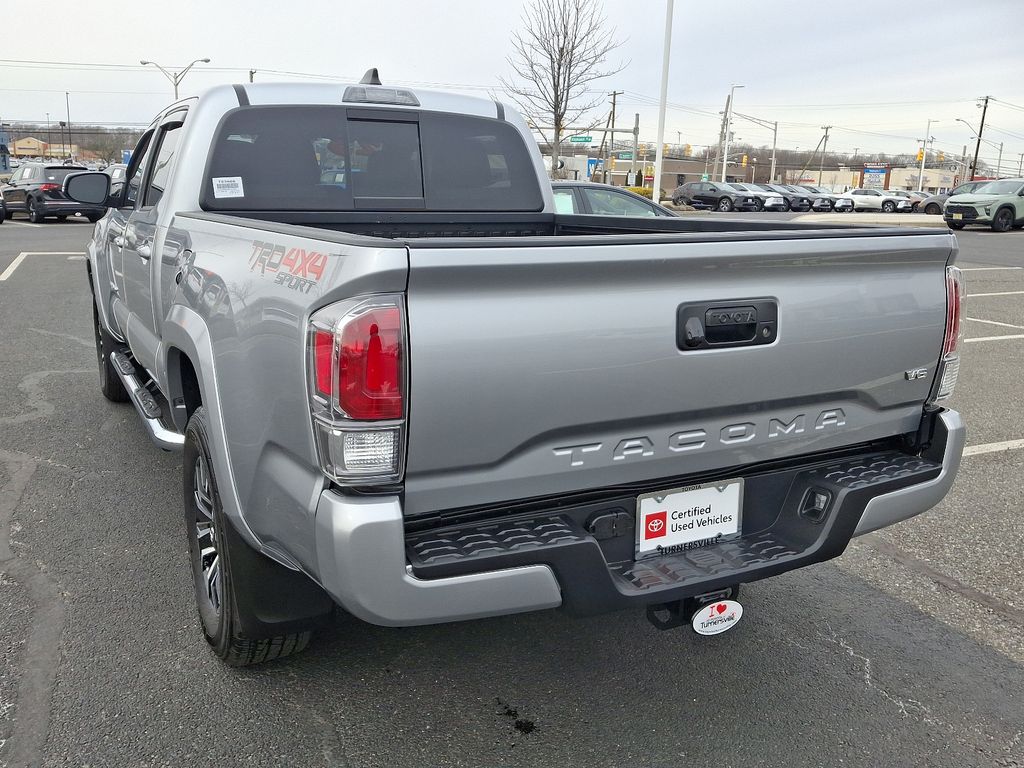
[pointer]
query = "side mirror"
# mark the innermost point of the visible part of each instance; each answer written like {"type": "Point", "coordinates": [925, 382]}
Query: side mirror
{"type": "Point", "coordinates": [91, 187]}
{"type": "Point", "coordinates": [713, 189]}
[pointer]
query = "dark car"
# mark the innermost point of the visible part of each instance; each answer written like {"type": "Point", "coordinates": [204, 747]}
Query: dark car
{"type": "Point", "coordinates": [820, 201]}
{"type": "Point", "coordinates": [717, 195]}
{"type": "Point", "coordinates": [584, 197]}
{"type": "Point", "coordinates": [770, 201]}
{"type": "Point", "coordinates": [35, 190]}
{"type": "Point", "coordinates": [795, 201]}
{"type": "Point", "coordinates": [933, 205]}
{"type": "Point", "coordinates": [836, 202]}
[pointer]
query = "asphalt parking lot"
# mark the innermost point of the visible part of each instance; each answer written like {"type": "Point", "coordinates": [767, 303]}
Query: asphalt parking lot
{"type": "Point", "coordinates": [907, 651]}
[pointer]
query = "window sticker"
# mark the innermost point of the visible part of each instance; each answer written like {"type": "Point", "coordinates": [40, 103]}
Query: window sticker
{"type": "Point", "coordinates": [228, 186]}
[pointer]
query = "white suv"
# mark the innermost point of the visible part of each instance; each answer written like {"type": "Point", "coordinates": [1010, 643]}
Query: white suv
{"type": "Point", "coordinates": [877, 200]}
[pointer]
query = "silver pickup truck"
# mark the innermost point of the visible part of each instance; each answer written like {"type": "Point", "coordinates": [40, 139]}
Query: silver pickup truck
{"type": "Point", "coordinates": [404, 385]}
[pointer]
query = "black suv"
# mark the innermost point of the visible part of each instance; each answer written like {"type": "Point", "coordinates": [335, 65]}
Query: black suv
{"type": "Point", "coordinates": [795, 201]}
{"type": "Point", "coordinates": [717, 195]}
{"type": "Point", "coordinates": [35, 189]}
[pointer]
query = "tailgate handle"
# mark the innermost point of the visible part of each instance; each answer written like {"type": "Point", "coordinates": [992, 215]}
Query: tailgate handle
{"type": "Point", "coordinates": [716, 325]}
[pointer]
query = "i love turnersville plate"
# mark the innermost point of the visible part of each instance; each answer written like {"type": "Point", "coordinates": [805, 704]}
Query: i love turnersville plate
{"type": "Point", "coordinates": [687, 518]}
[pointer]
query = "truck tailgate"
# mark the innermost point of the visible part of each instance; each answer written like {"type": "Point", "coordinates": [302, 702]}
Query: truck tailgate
{"type": "Point", "coordinates": [542, 369]}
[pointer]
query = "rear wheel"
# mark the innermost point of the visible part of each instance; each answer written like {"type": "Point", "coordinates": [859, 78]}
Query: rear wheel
{"type": "Point", "coordinates": [725, 205]}
{"type": "Point", "coordinates": [888, 206]}
{"type": "Point", "coordinates": [110, 382]}
{"type": "Point", "coordinates": [759, 205]}
{"type": "Point", "coordinates": [35, 211]}
{"type": "Point", "coordinates": [933, 209]}
{"type": "Point", "coordinates": [1003, 221]}
{"type": "Point", "coordinates": [225, 603]}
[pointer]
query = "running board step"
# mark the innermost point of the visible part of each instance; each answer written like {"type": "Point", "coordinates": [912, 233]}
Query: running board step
{"type": "Point", "coordinates": [147, 406]}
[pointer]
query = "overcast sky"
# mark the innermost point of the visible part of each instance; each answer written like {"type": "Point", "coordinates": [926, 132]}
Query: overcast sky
{"type": "Point", "coordinates": [876, 70]}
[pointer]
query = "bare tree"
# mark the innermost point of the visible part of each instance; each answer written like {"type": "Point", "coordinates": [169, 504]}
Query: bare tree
{"type": "Point", "coordinates": [558, 56]}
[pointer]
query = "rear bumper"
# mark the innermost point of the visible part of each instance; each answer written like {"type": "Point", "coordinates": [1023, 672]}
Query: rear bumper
{"type": "Point", "coordinates": [384, 575]}
{"type": "Point", "coordinates": [69, 208]}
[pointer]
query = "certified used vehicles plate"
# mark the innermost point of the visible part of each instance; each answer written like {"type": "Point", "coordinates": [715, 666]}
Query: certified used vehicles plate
{"type": "Point", "coordinates": [958, 215]}
{"type": "Point", "coordinates": [687, 518]}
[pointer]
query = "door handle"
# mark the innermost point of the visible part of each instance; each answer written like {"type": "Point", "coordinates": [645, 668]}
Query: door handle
{"type": "Point", "coordinates": [119, 241]}
{"type": "Point", "coordinates": [144, 250]}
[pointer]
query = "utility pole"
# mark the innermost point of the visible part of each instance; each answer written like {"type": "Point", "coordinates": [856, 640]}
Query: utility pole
{"type": "Point", "coordinates": [924, 153]}
{"type": "Point", "coordinates": [252, 74]}
{"type": "Point", "coordinates": [1020, 165]}
{"type": "Point", "coordinates": [721, 136]}
{"type": "Point", "coordinates": [999, 162]}
{"type": "Point", "coordinates": [636, 145]}
{"type": "Point", "coordinates": [659, 155]}
{"type": "Point", "coordinates": [977, 147]}
{"type": "Point", "coordinates": [728, 130]}
{"type": "Point", "coordinates": [824, 149]}
{"type": "Point", "coordinates": [67, 103]}
{"type": "Point", "coordinates": [611, 140]}
{"type": "Point", "coordinates": [49, 138]}
{"type": "Point", "coordinates": [775, 138]}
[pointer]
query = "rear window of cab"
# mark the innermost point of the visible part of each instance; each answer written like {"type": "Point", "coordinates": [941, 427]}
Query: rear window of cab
{"type": "Point", "coordinates": [326, 158]}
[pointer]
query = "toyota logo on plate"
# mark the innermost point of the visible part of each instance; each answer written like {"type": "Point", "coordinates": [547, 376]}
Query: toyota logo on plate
{"type": "Point", "coordinates": [655, 525]}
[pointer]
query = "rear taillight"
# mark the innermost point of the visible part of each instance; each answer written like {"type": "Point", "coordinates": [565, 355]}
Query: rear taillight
{"type": "Point", "coordinates": [48, 187]}
{"type": "Point", "coordinates": [357, 354]}
{"type": "Point", "coordinates": [949, 364]}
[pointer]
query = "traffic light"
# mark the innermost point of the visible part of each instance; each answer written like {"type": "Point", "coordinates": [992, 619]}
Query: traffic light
{"type": "Point", "coordinates": [664, 150]}
{"type": "Point", "coordinates": [743, 164]}
{"type": "Point", "coordinates": [942, 157]}
{"type": "Point", "coordinates": [687, 151]}
{"type": "Point", "coordinates": [920, 155]}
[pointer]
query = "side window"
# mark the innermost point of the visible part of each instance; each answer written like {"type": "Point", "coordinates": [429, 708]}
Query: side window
{"type": "Point", "coordinates": [17, 176]}
{"type": "Point", "coordinates": [565, 201]}
{"type": "Point", "coordinates": [142, 151]}
{"type": "Point", "coordinates": [605, 202]}
{"type": "Point", "coordinates": [168, 144]}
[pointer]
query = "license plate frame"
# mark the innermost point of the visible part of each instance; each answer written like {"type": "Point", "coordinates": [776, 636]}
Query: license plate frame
{"type": "Point", "coordinates": [958, 216]}
{"type": "Point", "coordinates": [684, 509]}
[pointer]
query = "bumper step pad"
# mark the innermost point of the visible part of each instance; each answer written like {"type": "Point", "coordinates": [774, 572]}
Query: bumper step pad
{"type": "Point", "coordinates": [782, 538]}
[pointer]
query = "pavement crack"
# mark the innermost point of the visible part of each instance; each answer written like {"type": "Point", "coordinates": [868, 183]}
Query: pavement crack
{"type": "Point", "coordinates": [38, 406]}
{"type": "Point", "coordinates": [994, 604]}
{"type": "Point", "coordinates": [41, 651]}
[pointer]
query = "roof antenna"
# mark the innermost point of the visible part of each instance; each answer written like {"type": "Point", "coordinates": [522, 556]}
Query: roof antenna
{"type": "Point", "coordinates": [371, 77]}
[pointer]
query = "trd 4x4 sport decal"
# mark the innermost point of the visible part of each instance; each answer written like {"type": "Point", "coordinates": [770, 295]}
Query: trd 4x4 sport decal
{"type": "Point", "coordinates": [296, 268]}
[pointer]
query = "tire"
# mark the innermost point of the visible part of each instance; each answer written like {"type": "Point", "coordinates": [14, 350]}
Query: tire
{"type": "Point", "coordinates": [725, 204]}
{"type": "Point", "coordinates": [933, 209]}
{"type": "Point", "coordinates": [888, 206]}
{"type": "Point", "coordinates": [222, 601]}
{"type": "Point", "coordinates": [62, 218]}
{"type": "Point", "coordinates": [35, 214]}
{"type": "Point", "coordinates": [786, 207]}
{"type": "Point", "coordinates": [110, 382]}
{"type": "Point", "coordinates": [957, 225]}
{"type": "Point", "coordinates": [759, 206]}
{"type": "Point", "coordinates": [3, 214]}
{"type": "Point", "coordinates": [1003, 220]}
{"type": "Point", "coordinates": [8, 214]}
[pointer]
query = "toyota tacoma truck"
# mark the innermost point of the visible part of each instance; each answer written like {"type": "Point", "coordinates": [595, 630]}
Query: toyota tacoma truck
{"type": "Point", "coordinates": [402, 384]}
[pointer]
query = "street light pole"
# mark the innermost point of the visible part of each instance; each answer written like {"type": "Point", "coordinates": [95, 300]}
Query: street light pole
{"type": "Point", "coordinates": [49, 138]}
{"type": "Point", "coordinates": [659, 154]}
{"type": "Point", "coordinates": [924, 153]}
{"type": "Point", "coordinates": [176, 77]}
{"type": "Point", "coordinates": [67, 103]}
{"type": "Point", "coordinates": [728, 129]}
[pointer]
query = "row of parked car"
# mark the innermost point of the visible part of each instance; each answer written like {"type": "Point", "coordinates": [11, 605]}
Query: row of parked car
{"type": "Point", "coordinates": [35, 190]}
{"type": "Point", "coordinates": [742, 196]}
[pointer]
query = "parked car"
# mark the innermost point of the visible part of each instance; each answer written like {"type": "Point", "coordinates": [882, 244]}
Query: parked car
{"type": "Point", "coordinates": [116, 173]}
{"type": "Point", "coordinates": [584, 197]}
{"type": "Point", "coordinates": [933, 205]}
{"type": "Point", "coordinates": [839, 203]}
{"type": "Point", "coordinates": [35, 189]}
{"type": "Point", "coordinates": [716, 195]}
{"type": "Point", "coordinates": [998, 204]}
{"type": "Point", "coordinates": [876, 200]}
{"type": "Point", "coordinates": [914, 197]}
{"type": "Point", "coordinates": [3, 208]}
{"type": "Point", "coordinates": [426, 397]}
{"type": "Point", "coordinates": [820, 202]}
{"type": "Point", "coordinates": [770, 201]}
{"type": "Point", "coordinates": [795, 201]}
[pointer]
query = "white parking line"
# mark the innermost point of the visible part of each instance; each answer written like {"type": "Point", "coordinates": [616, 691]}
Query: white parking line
{"type": "Point", "coordinates": [21, 257]}
{"type": "Point", "coordinates": [1007, 445]}
{"type": "Point", "coordinates": [24, 223]}
{"type": "Point", "coordinates": [996, 338]}
{"type": "Point", "coordinates": [1000, 293]}
{"type": "Point", "coordinates": [993, 322]}
{"type": "Point", "coordinates": [987, 269]}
